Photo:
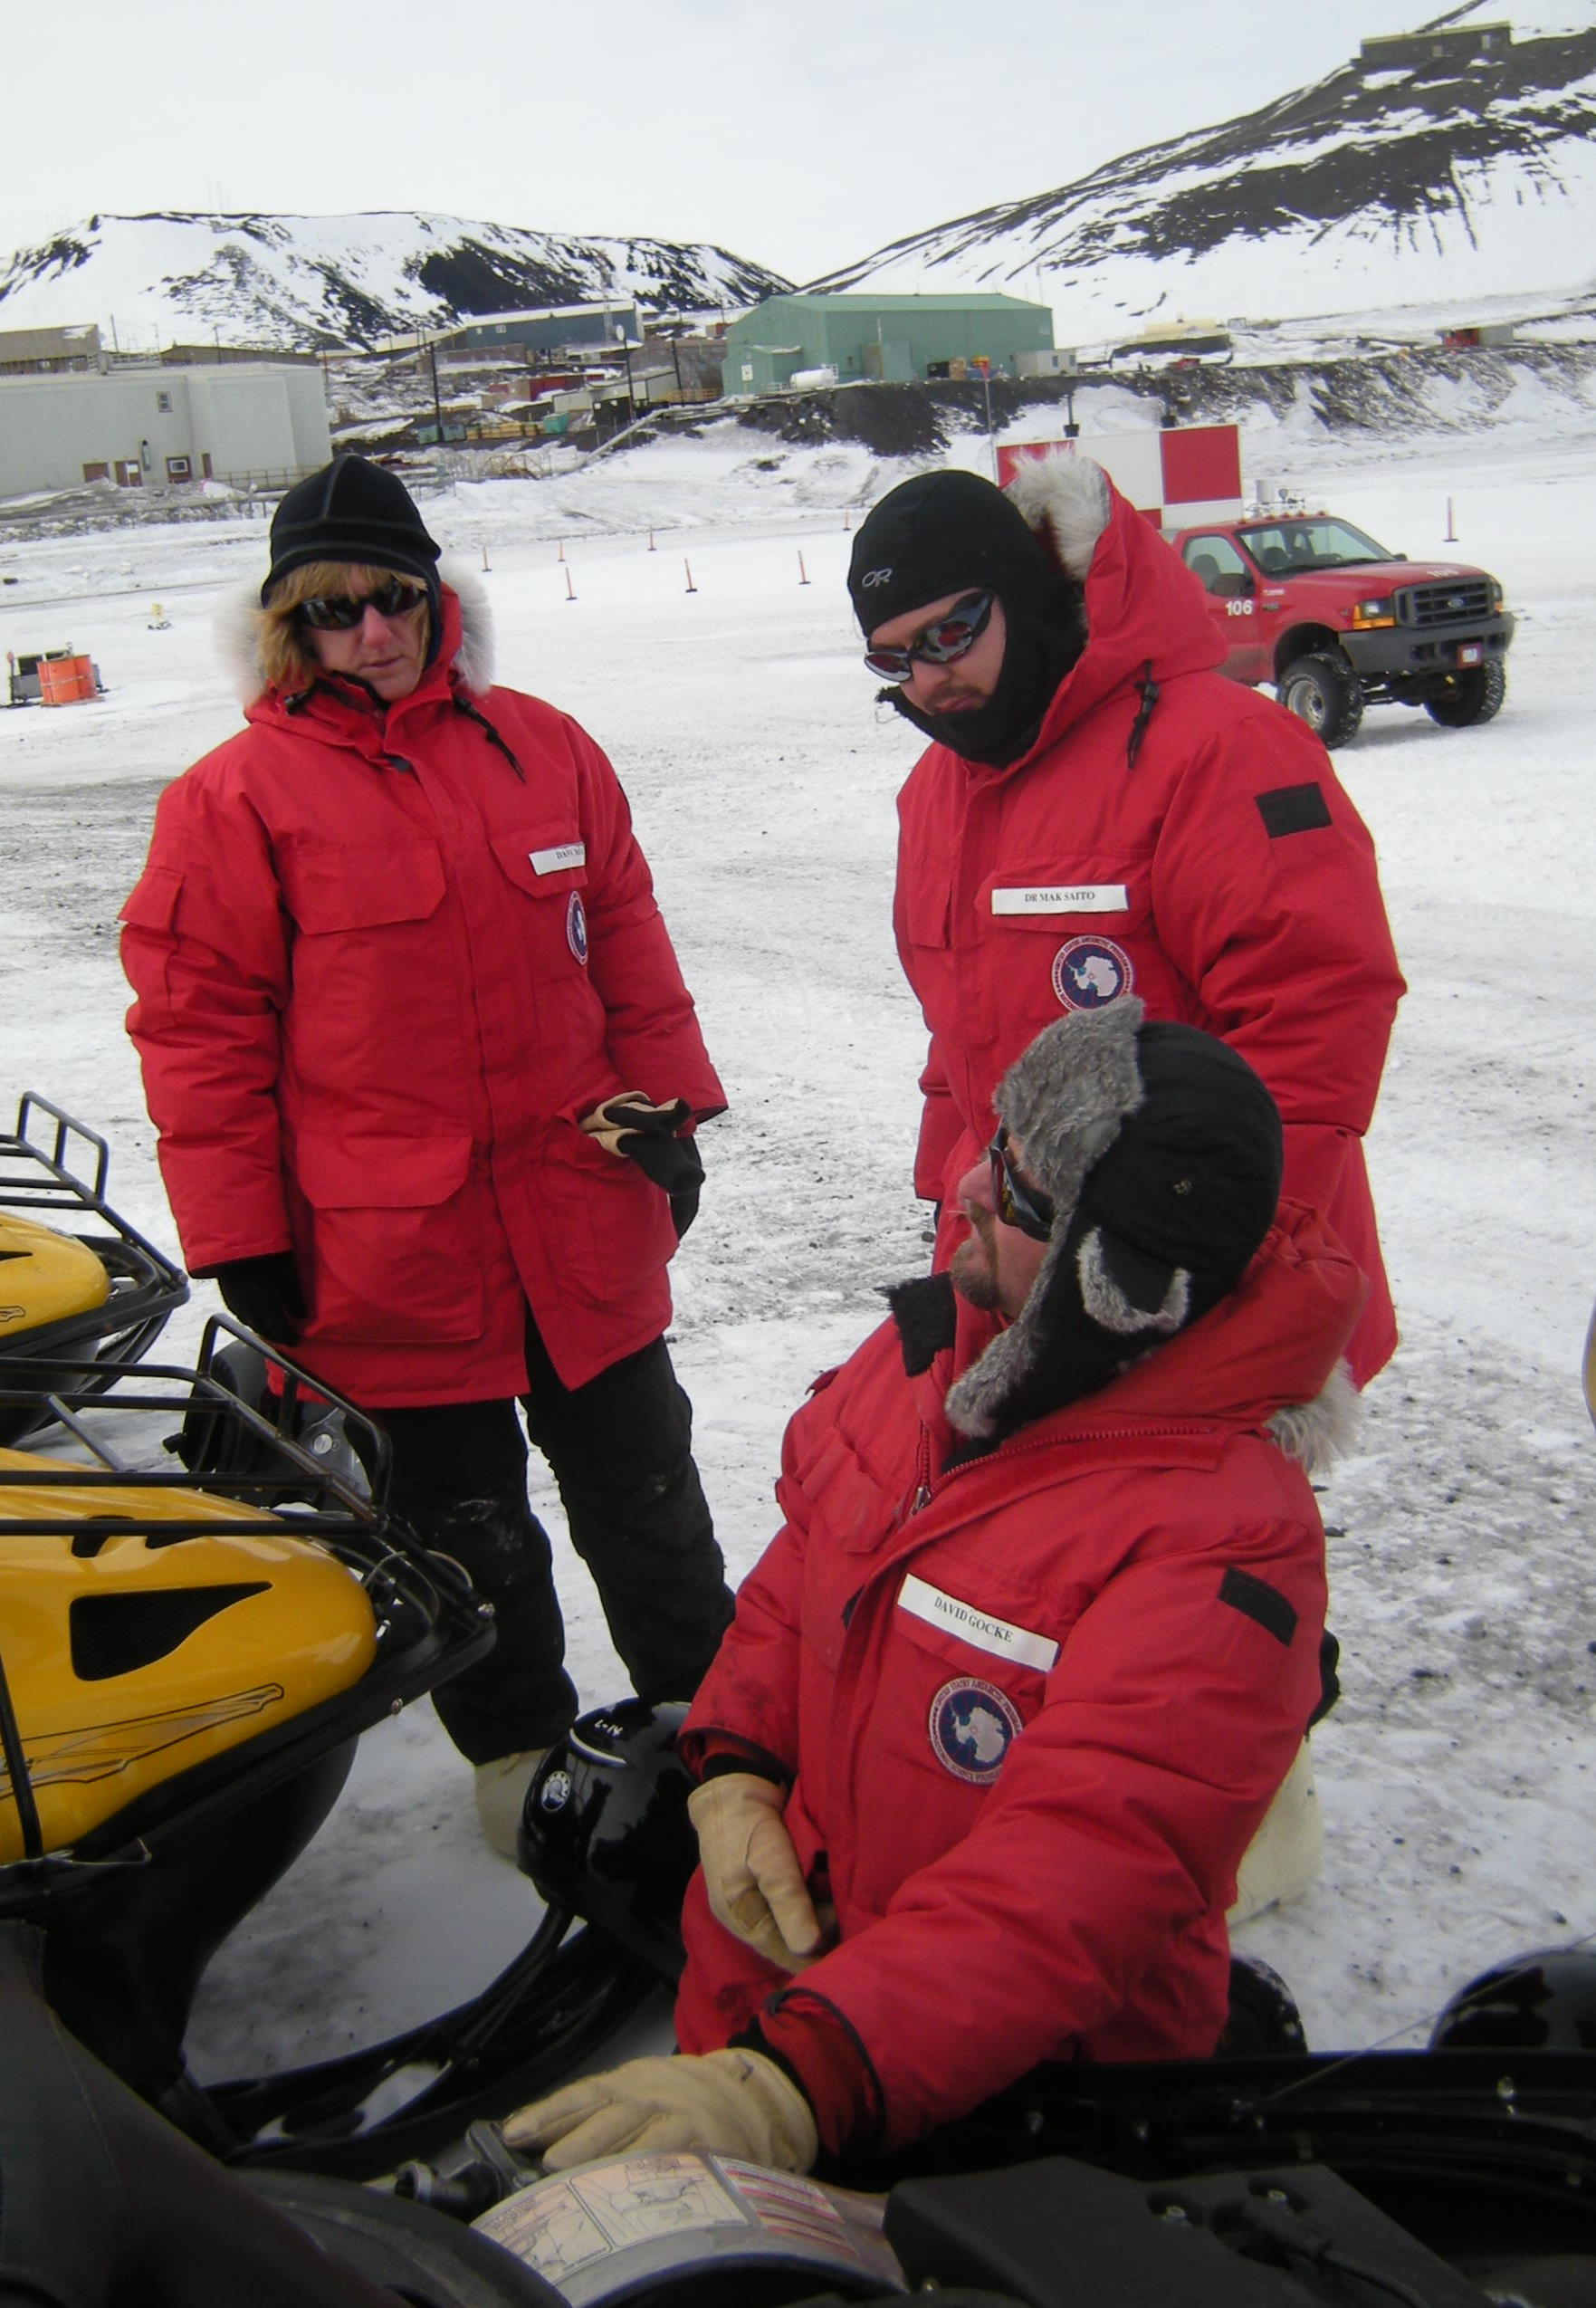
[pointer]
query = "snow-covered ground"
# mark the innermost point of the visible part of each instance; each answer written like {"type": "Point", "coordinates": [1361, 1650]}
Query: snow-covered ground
{"type": "Point", "coordinates": [1455, 1774]}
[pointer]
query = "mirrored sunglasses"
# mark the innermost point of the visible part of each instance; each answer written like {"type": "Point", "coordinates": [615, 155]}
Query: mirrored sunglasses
{"type": "Point", "coordinates": [939, 644]}
{"type": "Point", "coordinates": [1015, 1203]}
{"type": "Point", "coordinates": [341, 612]}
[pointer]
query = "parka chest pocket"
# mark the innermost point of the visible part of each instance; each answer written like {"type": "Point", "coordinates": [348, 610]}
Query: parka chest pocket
{"type": "Point", "coordinates": [964, 1682]}
{"type": "Point", "coordinates": [550, 865]}
{"type": "Point", "coordinates": [335, 887]}
{"type": "Point", "coordinates": [1076, 936]}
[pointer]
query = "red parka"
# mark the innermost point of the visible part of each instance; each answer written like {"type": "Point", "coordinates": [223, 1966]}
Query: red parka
{"type": "Point", "coordinates": [385, 959]}
{"type": "Point", "coordinates": [1170, 834]}
{"type": "Point", "coordinates": [1033, 1707]}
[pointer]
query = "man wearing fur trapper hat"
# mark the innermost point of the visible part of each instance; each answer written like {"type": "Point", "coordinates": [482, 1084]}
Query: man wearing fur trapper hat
{"type": "Point", "coordinates": [425, 1073]}
{"type": "Point", "coordinates": [1101, 814]}
{"type": "Point", "coordinates": [1005, 1700]}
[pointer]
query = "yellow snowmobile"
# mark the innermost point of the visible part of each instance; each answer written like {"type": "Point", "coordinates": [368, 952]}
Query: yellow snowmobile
{"type": "Point", "coordinates": [203, 1604]}
{"type": "Point", "coordinates": [75, 1278]}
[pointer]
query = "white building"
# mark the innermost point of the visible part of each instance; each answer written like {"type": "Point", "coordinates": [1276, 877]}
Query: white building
{"type": "Point", "coordinates": [140, 427]}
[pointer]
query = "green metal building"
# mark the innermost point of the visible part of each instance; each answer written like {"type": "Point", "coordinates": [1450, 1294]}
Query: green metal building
{"type": "Point", "coordinates": [893, 339]}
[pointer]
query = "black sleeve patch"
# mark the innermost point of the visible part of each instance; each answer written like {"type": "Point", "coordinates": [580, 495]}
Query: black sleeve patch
{"type": "Point", "coordinates": [1293, 809]}
{"type": "Point", "coordinates": [1256, 1599]}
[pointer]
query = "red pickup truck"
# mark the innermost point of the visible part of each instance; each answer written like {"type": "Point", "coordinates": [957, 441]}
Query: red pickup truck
{"type": "Point", "coordinates": [1336, 622]}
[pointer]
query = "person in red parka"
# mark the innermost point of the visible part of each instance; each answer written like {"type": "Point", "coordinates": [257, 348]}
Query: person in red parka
{"type": "Point", "coordinates": [1100, 814]}
{"type": "Point", "coordinates": [425, 1073]}
{"type": "Point", "coordinates": [1006, 1697]}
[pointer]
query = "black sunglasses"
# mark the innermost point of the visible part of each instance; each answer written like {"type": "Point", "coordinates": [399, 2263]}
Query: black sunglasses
{"type": "Point", "coordinates": [1017, 1204]}
{"type": "Point", "coordinates": [947, 638]}
{"type": "Point", "coordinates": [341, 612]}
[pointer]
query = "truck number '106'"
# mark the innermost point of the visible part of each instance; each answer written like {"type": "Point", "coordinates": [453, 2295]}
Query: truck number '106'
{"type": "Point", "coordinates": [1239, 608]}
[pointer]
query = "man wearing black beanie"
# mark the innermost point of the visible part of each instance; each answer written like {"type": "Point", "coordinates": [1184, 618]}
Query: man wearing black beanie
{"type": "Point", "coordinates": [1100, 814]}
{"type": "Point", "coordinates": [425, 1076]}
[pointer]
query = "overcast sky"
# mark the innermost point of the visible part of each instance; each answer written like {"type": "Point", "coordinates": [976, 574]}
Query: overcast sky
{"type": "Point", "coordinates": [802, 135]}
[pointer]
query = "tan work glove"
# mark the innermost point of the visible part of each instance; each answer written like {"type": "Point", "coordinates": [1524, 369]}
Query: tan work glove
{"type": "Point", "coordinates": [756, 1887]}
{"type": "Point", "coordinates": [633, 1114]}
{"type": "Point", "coordinates": [732, 2103]}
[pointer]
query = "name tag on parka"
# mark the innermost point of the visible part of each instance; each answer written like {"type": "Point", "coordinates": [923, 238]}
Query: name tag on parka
{"type": "Point", "coordinates": [560, 860]}
{"type": "Point", "coordinates": [1064, 897]}
{"type": "Point", "coordinates": [979, 1628]}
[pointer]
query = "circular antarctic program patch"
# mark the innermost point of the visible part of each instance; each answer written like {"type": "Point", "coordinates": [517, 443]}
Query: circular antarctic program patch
{"type": "Point", "coordinates": [575, 926]}
{"type": "Point", "coordinates": [556, 1791]}
{"type": "Point", "coordinates": [972, 1724]}
{"type": "Point", "coordinates": [1090, 972]}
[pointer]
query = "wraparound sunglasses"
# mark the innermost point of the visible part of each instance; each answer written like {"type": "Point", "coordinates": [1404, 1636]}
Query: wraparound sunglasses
{"type": "Point", "coordinates": [341, 612]}
{"type": "Point", "coordinates": [941, 643]}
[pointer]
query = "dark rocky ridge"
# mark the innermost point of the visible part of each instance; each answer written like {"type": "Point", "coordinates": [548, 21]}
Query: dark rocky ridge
{"type": "Point", "coordinates": [1388, 151]}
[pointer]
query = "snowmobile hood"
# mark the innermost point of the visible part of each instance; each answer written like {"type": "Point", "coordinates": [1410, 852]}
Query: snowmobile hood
{"type": "Point", "coordinates": [132, 1656]}
{"type": "Point", "coordinates": [44, 1276]}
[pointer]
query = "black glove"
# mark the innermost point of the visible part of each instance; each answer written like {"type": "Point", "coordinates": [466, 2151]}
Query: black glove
{"type": "Point", "coordinates": [265, 1294]}
{"type": "Point", "coordinates": [648, 1136]}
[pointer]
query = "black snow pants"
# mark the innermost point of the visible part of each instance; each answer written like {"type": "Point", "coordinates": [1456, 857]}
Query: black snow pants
{"type": "Point", "coordinates": [620, 1451]}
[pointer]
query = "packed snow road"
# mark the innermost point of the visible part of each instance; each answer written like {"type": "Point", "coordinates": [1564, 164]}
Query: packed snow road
{"type": "Point", "coordinates": [1457, 1773]}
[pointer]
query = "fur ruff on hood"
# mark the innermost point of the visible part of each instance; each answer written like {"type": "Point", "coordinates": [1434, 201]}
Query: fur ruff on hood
{"type": "Point", "coordinates": [236, 630]}
{"type": "Point", "coordinates": [1066, 500]}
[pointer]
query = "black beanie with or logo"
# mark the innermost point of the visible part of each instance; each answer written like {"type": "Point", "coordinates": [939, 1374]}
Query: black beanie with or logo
{"type": "Point", "coordinates": [954, 533]}
{"type": "Point", "coordinates": [352, 511]}
{"type": "Point", "coordinates": [943, 533]}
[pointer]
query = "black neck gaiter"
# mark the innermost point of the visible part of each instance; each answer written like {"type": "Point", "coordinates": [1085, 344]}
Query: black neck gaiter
{"type": "Point", "coordinates": [1045, 637]}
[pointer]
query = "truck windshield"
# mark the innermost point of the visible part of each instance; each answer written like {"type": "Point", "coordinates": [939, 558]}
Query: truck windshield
{"type": "Point", "coordinates": [1286, 548]}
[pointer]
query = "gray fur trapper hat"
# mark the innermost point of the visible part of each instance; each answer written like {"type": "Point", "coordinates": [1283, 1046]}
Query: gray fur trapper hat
{"type": "Point", "coordinates": [1160, 1150]}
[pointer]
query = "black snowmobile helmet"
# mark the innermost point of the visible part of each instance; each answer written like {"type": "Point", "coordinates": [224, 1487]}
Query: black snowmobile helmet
{"type": "Point", "coordinates": [605, 1829]}
{"type": "Point", "coordinates": [353, 510]}
{"type": "Point", "coordinates": [1542, 2002]}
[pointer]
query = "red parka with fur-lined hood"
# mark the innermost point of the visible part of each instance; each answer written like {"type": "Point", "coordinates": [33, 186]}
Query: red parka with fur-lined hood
{"type": "Point", "coordinates": [1169, 834]}
{"type": "Point", "coordinates": [385, 960]}
{"type": "Point", "coordinates": [1031, 1707]}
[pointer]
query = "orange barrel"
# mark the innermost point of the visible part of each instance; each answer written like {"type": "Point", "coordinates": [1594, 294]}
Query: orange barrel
{"type": "Point", "coordinates": [65, 680]}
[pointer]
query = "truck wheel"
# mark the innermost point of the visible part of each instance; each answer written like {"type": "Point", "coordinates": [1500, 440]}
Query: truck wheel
{"type": "Point", "coordinates": [1475, 695]}
{"type": "Point", "coordinates": [1321, 690]}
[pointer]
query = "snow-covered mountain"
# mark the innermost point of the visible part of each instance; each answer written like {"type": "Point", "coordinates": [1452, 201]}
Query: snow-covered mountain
{"type": "Point", "coordinates": [310, 282]}
{"type": "Point", "coordinates": [1417, 175]}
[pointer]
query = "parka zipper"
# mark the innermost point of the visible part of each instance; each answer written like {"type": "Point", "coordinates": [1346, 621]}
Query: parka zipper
{"type": "Point", "coordinates": [929, 1483]}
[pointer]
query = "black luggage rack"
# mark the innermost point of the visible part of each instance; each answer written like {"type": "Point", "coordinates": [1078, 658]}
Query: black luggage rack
{"type": "Point", "coordinates": [146, 1287]}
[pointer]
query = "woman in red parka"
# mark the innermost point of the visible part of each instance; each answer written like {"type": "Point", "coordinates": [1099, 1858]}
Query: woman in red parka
{"type": "Point", "coordinates": [406, 1007]}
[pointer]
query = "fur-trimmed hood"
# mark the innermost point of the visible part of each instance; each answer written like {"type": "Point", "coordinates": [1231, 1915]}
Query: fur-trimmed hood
{"type": "Point", "coordinates": [471, 623]}
{"type": "Point", "coordinates": [1146, 618]}
{"type": "Point", "coordinates": [1268, 1358]}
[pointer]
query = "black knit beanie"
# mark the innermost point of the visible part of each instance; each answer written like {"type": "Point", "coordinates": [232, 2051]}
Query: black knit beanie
{"type": "Point", "coordinates": [953, 532]}
{"type": "Point", "coordinates": [1161, 1150]}
{"type": "Point", "coordinates": [352, 511]}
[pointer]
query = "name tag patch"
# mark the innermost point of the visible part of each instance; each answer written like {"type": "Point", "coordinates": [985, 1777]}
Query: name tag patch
{"type": "Point", "coordinates": [1064, 897]}
{"type": "Point", "coordinates": [560, 860]}
{"type": "Point", "coordinates": [981, 1628]}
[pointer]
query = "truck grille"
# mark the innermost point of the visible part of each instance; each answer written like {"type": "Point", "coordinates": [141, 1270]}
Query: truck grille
{"type": "Point", "coordinates": [1468, 599]}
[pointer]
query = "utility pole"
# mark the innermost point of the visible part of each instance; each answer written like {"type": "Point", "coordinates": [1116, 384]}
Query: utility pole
{"type": "Point", "coordinates": [432, 353]}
